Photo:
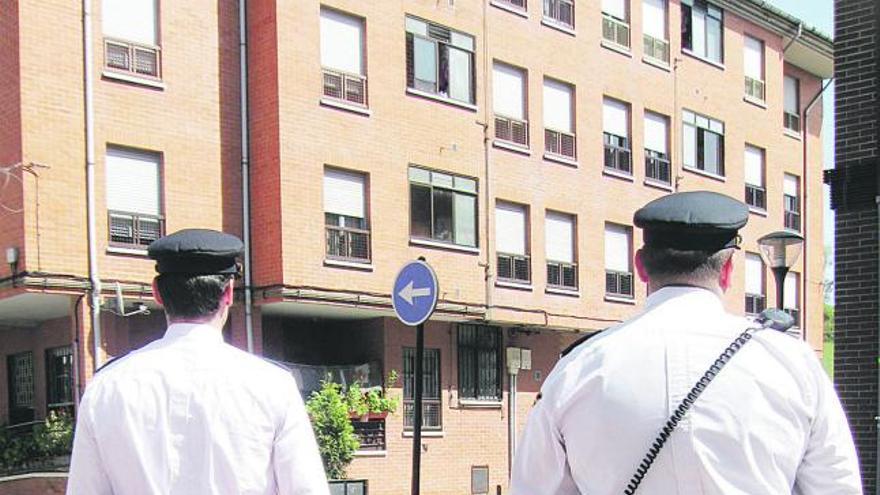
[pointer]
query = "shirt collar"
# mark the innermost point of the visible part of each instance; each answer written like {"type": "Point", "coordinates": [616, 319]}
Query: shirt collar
{"type": "Point", "coordinates": [198, 331]}
{"type": "Point", "coordinates": [696, 297]}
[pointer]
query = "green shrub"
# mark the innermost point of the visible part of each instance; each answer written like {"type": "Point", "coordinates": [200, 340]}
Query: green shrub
{"type": "Point", "coordinates": [329, 412]}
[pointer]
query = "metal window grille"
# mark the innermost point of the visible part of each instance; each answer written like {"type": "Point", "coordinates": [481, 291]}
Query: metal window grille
{"type": "Point", "coordinates": [431, 404]}
{"type": "Point", "coordinates": [479, 362]}
{"type": "Point", "coordinates": [134, 229]}
{"type": "Point", "coordinates": [756, 196]}
{"type": "Point", "coordinates": [559, 143]}
{"type": "Point", "coordinates": [617, 153]}
{"type": "Point", "coordinates": [349, 487]}
{"type": "Point", "coordinates": [371, 434]}
{"type": "Point", "coordinates": [59, 377]}
{"type": "Point", "coordinates": [619, 284]}
{"type": "Point", "coordinates": [514, 268]}
{"type": "Point", "coordinates": [755, 303]}
{"type": "Point", "coordinates": [792, 213]}
{"type": "Point", "coordinates": [125, 56]}
{"type": "Point", "coordinates": [656, 48]}
{"type": "Point", "coordinates": [350, 88]}
{"type": "Point", "coordinates": [348, 244]}
{"type": "Point", "coordinates": [512, 130]}
{"type": "Point", "coordinates": [791, 121]}
{"type": "Point", "coordinates": [754, 88]}
{"type": "Point", "coordinates": [795, 313]}
{"type": "Point", "coordinates": [560, 11]}
{"type": "Point", "coordinates": [615, 30]}
{"type": "Point", "coordinates": [562, 275]}
{"type": "Point", "coordinates": [20, 373]}
{"type": "Point", "coordinates": [657, 167]}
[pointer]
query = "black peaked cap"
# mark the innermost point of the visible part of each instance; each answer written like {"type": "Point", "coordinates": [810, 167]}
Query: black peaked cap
{"type": "Point", "coordinates": [692, 221]}
{"type": "Point", "coordinates": [196, 252]}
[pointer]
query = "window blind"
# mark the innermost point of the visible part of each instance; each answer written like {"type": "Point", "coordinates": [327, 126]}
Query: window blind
{"type": "Point", "coordinates": [615, 117]}
{"type": "Point", "coordinates": [790, 185]}
{"type": "Point", "coordinates": [559, 237]}
{"type": "Point", "coordinates": [341, 42]}
{"type": "Point", "coordinates": [656, 132]}
{"type": "Point", "coordinates": [617, 248]}
{"type": "Point", "coordinates": [790, 293]}
{"type": "Point", "coordinates": [510, 229]}
{"type": "Point", "coordinates": [753, 58]}
{"type": "Point", "coordinates": [754, 274]}
{"type": "Point", "coordinates": [557, 105]}
{"type": "Point", "coordinates": [754, 166]}
{"type": "Point", "coordinates": [790, 98]}
{"type": "Point", "coordinates": [130, 20]}
{"type": "Point", "coordinates": [132, 181]}
{"type": "Point", "coordinates": [654, 18]}
{"type": "Point", "coordinates": [344, 193]}
{"type": "Point", "coordinates": [616, 8]}
{"type": "Point", "coordinates": [507, 91]}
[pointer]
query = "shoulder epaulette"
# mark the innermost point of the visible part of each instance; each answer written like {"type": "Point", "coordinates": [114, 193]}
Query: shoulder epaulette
{"type": "Point", "coordinates": [578, 342]}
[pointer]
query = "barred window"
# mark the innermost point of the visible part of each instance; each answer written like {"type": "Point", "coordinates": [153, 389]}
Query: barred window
{"type": "Point", "coordinates": [479, 362]}
{"type": "Point", "coordinates": [20, 369]}
{"type": "Point", "coordinates": [431, 405]}
{"type": "Point", "coordinates": [59, 378]}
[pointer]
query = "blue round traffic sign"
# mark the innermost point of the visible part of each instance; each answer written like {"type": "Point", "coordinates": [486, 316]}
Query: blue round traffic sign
{"type": "Point", "coordinates": [415, 291]}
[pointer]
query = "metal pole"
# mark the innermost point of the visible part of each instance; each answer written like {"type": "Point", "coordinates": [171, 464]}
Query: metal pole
{"type": "Point", "coordinates": [511, 424]}
{"type": "Point", "coordinates": [779, 274]}
{"type": "Point", "coordinates": [417, 413]}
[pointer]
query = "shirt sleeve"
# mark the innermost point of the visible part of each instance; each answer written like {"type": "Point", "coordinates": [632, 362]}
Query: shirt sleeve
{"type": "Point", "coordinates": [86, 475]}
{"type": "Point", "coordinates": [295, 456]}
{"type": "Point", "coordinates": [541, 465]}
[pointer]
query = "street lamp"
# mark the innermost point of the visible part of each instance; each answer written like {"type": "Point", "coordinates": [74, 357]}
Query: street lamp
{"type": "Point", "coordinates": [780, 250]}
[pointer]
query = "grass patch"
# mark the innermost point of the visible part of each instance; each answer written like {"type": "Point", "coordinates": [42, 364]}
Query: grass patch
{"type": "Point", "coordinates": [828, 358]}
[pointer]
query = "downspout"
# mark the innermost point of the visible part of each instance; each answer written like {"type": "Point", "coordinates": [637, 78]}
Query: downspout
{"type": "Point", "coordinates": [797, 35]}
{"type": "Point", "coordinates": [487, 265]}
{"type": "Point", "coordinates": [88, 89]}
{"type": "Point", "coordinates": [245, 175]}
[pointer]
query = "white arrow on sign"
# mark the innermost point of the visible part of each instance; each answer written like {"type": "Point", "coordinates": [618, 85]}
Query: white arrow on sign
{"type": "Point", "coordinates": [408, 293]}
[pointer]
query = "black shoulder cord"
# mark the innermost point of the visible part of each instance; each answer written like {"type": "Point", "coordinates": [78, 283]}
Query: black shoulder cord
{"type": "Point", "coordinates": [684, 406]}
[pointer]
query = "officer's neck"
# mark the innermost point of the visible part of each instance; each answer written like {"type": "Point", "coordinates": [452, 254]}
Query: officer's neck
{"type": "Point", "coordinates": [711, 287]}
{"type": "Point", "coordinates": [217, 320]}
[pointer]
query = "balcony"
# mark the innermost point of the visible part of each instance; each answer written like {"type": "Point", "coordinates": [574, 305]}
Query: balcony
{"type": "Point", "coordinates": [754, 88]}
{"type": "Point", "coordinates": [133, 58]}
{"type": "Point", "coordinates": [656, 49]}
{"type": "Point", "coordinates": [615, 31]}
{"type": "Point", "coordinates": [514, 268]}
{"type": "Point", "coordinates": [134, 229]}
{"type": "Point", "coordinates": [792, 122]}
{"type": "Point", "coordinates": [370, 433]}
{"type": "Point", "coordinates": [657, 167]}
{"type": "Point", "coordinates": [560, 144]}
{"type": "Point", "coordinates": [348, 244]}
{"type": "Point", "coordinates": [431, 417]}
{"type": "Point", "coordinates": [560, 12]}
{"type": "Point", "coordinates": [561, 275]}
{"type": "Point", "coordinates": [756, 196]}
{"type": "Point", "coordinates": [755, 303]}
{"type": "Point", "coordinates": [619, 284]}
{"type": "Point", "coordinates": [345, 87]}
{"type": "Point", "coordinates": [618, 156]}
{"type": "Point", "coordinates": [512, 131]}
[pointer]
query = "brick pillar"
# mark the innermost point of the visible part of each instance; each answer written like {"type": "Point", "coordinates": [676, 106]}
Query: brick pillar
{"type": "Point", "coordinates": [237, 335]}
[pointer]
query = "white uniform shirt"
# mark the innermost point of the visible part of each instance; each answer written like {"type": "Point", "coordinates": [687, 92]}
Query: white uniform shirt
{"type": "Point", "coordinates": [189, 414]}
{"type": "Point", "coordinates": [769, 423]}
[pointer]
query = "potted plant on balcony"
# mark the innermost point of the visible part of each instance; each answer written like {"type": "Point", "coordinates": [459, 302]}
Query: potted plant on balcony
{"type": "Point", "coordinates": [372, 404]}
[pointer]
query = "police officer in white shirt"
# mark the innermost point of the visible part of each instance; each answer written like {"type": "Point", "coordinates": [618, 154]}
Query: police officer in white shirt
{"type": "Point", "coordinates": [769, 422]}
{"type": "Point", "coordinates": [189, 414]}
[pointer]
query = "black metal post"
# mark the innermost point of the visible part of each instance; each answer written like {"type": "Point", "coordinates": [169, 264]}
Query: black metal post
{"type": "Point", "coordinates": [779, 274]}
{"type": "Point", "coordinates": [417, 413]}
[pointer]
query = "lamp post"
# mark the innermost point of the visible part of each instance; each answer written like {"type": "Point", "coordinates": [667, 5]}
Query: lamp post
{"type": "Point", "coordinates": [779, 251]}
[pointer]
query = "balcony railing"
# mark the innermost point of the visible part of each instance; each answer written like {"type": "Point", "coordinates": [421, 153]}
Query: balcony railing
{"type": "Point", "coordinates": [512, 130]}
{"type": "Point", "coordinates": [431, 417]}
{"type": "Point", "coordinates": [371, 434]}
{"type": "Point", "coordinates": [134, 229]}
{"type": "Point", "coordinates": [617, 154]}
{"type": "Point", "coordinates": [347, 244]}
{"type": "Point", "coordinates": [754, 88]}
{"type": "Point", "coordinates": [350, 88]}
{"type": "Point", "coordinates": [562, 275]}
{"type": "Point", "coordinates": [134, 58]}
{"type": "Point", "coordinates": [656, 48]}
{"type": "Point", "coordinates": [755, 303]}
{"type": "Point", "coordinates": [560, 12]}
{"type": "Point", "coordinates": [514, 268]}
{"type": "Point", "coordinates": [618, 284]}
{"type": "Point", "coordinates": [756, 196]}
{"type": "Point", "coordinates": [559, 143]}
{"type": "Point", "coordinates": [791, 121]}
{"type": "Point", "coordinates": [657, 167]}
{"type": "Point", "coordinates": [615, 30]}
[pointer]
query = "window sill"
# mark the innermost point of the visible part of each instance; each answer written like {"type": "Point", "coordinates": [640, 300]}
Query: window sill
{"type": "Point", "coordinates": [710, 175]}
{"type": "Point", "coordinates": [550, 23]}
{"type": "Point", "coordinates": [509, 8]}
{"type": "Point", "coordinates": [140, 81]}
{"type": "Point", "coordinates": [790, 133]}
{"type": "Point", "coordinates": [371, 453]}
{"type": "Point", "coordinates": [367, 267]}
{"type": "Point", "coordinates": [660, 64]}
{"type": "Point", "coordinates": [560, 159]}
{"type": "Point", "coordinates": [754, 101]}
{"type": "Point", "coordinates": [709, 61]}
{"type": "Point", "coordinates": [614, 47]}
{"type": "Point", "coordinates": [620, 299]}
{"type": "Point", "coordinates": [341, 105]}
{"type": "Point", "coordinates": [758, 211]}
{"type": "Point", "coordinates": [441, 99]}
{"type": "Point", "coordinates": [516, 148]}
{"type": "Point", "coordinates": [128, 251]}
{"type": "Point", "coordinates": [610, 172]}
{"type": "Point", "coordinates": [479, 404]}
{"type": "Point", "coordinates": [513, 285]}
{"type": "Point", "coordinates": [425, 434]}
{"type": "Point", "coordinates": [659, 185]}
{"type": "Point", "coordinates": [563, 292]}
{"type": "Point", "coordinates": [443, 245]}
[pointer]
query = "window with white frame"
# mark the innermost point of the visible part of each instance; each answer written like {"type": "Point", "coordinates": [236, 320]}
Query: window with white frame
{"type": "Point", "coordinates": [791, 116]}
{"type": "Point", "coordinates": [656, 39]}
{"type": "Point", "coordinates": [753, 67]}
{"type": "Point", "coordinates": [560, 249]}
{"type": "Point", "coordinates": [443, 207]}
{"type": "Point", "coordinates": [20, 368]}
{"type": "Point", "coordinates": [559, 12]}
{"type": "Point", "coordinates": [134, 211]}
{"type": "Point", "coordinates": [131, 36]}
{"type": "Point", "coordinates": [791, 202]}
{"type": "Point", "coordinates": [342, 57]}
{"type": "Point", "coordinates": [791, 297]}
{"type": "Point", "coordinates": [347, 233]}
{"type": "Point", "coordinates": [559, 133]}
{"type": "Point", "coordinates": [509, 104]}
{"type": "Point", "coordinates": [439, 60]}
{"type": "Point", "coordinates": [755, 295]}
{"type": "Point", "coordinates": [756, 193]}
{"type": "Point", "coordinates": [702, 29]}
{"type": "Point", "coordinates": [618, 261]}
{"type": "Point", "coordinates": [657, 164]}
{"type": "Point", "coordinates": [615, 136]}
{"type": "Point", "coordinates": [511, 243]}
{"type": "Point", "coordinates": [703, 143]}
{"type": "Point", "coordinates": [615, 22]}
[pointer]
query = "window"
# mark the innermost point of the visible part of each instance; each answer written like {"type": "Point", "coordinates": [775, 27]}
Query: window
{"type": "Point", "coordinates": [347, 232]}
{"type": "Point", "coordinates": [559, 12]}
{"type": "Point", "coordinates": [20, 370]}
{"type": "Point", "coordinates": [509, 104]}
{"type": "Point", "coordinates": [756, 194]}
{"type": "Point", "coordinates": [521, 5]}
{"type": "Point", "coordinates": [755, 299]}
{"type": "Point", "coordinates": [702, 30]}
{"type": "Point", "coordinates": [342, 57]}
{"type": "Point", "coordinates": [559, 138]}
{"type": "Point", "coordinates": [133, 205]}
{"type": "Point", "coordinates": [791, 297]}
{"type": "Point", "coordinates": [791, 116]}
{"type": "Point", "coordinates": [560, 250]}
{"type": "Point", "coordinates": [656, 42]}
{"type": "Point", "coordinates": [443, 207]}
{"type": "Point", "coordinates": [618, 271]}
{"type": "Point", "coordinates": [431, 405]}
{"type": "Point", "coordinates": [657, 165]}
{"type": "Point", "coordinates": [792, 202]}
{"type": "Point", "coordinates": [703, 143]}
{"type": "Point", "coordinates": [59, 379]}
{"type": "Point", "coordinates": [439, 61]}
{"type": "Point", "coordinates": [479, 362]}
{"type": "Point", "coordinates": [753, 66]}
{"type": "Point", "coordinates": [511, 243]}
{"type": "Point", "coordinates": [615, 124]}
{"type": "Point", "coordinates": [131, 36]}
{"type": "Point", "coordinates": [615, 22]}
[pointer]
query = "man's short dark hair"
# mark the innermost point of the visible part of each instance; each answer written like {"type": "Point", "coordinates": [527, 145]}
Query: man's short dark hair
{"type": "Point", "coordinates": [669, 265]}
{"type": "Point", "coordinates": [191, 296]}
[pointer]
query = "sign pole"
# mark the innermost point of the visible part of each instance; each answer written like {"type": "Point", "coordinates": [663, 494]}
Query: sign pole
{"type": "Point", "coordinates": [417, 413]}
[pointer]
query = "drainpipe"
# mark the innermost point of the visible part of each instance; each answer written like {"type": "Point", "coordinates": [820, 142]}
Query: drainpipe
{"type": "Point", "coordinates": [245, 175]}
{"type": "Point", "coordinates": [487, 265]}
{"type": "Point", "coordinates": [88, 89]}
{"type": "Point", "coordinates": [797, 35]}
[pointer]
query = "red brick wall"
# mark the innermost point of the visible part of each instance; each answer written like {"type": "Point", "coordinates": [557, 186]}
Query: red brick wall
{"type": "Point", "coordinates": [11, 190]}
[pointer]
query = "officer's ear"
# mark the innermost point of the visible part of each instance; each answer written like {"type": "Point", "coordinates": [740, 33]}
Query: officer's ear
{"type": "Point", "coordinates": [640, 268]}
{"type": "Point", "coordinates": [156, 295]}
{"type": "Point", "coordinates": [725, 279]}
{"type": "Point", "coordinates": [228, 297]}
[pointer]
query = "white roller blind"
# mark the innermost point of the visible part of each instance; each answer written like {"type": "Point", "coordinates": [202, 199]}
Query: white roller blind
{"type": "Point", "coordinates": [790, 185]}
{"type": "Point", "coordinates": [507, 91]}
{"type": "Point", "coordinates": [689, 145]}
{"type": "Point", "coordinates": [754, 164]}
{"type": "Point", "coordinates": [790, 97]}
{"type": "Point", "coordinates": [344, 193]}
{"type": "Point", "coordinates": [557, 105]}
{"type": "Point", "coordinates": [130, 20]}
{"type": "Point", "coordinates": [753, 58]}
{"type": "Point", "coordinates": [615, 117]}
{"type": "Point", "coordinates": [790, 294]}
{"type": "Point", "coordinates": [132, 181]}
{"type": "Point", "coordinates": [510, 229]}
{"type": "Point", "coordinates": [616, 248]}
{"type": "Point", "coordinates": [654, 18]}
{"type": "Point", "coordinates": [754, 274]}
{"type": "Point", "coordinates": [656, 132]}
{"type": "Point", "coordinates": [559, 237]}
{"type": "Point", "coordinates": [616, 8]}
{"type": "Point", "coordinates": [341, 42]}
